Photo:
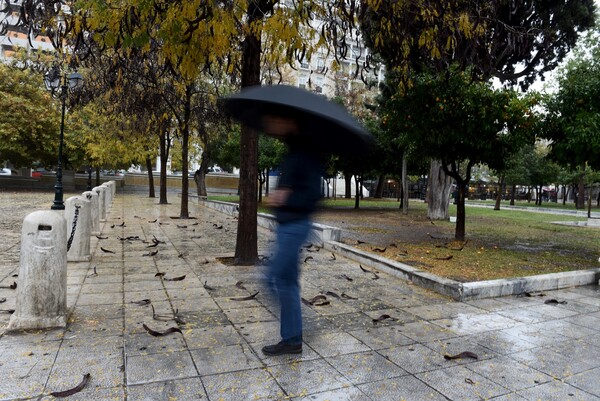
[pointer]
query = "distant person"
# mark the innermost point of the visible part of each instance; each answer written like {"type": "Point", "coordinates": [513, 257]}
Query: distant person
{"type": "Point", "coordinates": [294, 200]}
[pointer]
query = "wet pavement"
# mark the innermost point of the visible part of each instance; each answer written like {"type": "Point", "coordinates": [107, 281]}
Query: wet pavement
{"type": "Point", "coordinates": [377, 338]}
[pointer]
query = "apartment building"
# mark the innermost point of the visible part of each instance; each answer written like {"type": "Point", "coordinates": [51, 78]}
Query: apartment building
{"type": "Point", "coordinates": [13, 37]}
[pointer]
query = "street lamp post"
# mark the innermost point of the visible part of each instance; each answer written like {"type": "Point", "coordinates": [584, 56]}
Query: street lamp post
{"type": "Point", "coordinates": [53, 84]}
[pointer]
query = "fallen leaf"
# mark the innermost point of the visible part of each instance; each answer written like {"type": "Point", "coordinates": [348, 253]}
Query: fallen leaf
{"type": "Point", "coordinates": [99, 237]}
{"type": "Point", "coordinates": [554, 302]}
{"type": "Point", "coordinates": [209, 288]}
{"type": "Point", "coordinates": [180, 278]}
{"type": "Point", "coordinates": [382, 318]}
{"type": "Point", "coordinates": [380, 250]}
{"type": "Point", "coordinates": [308, 258]}
{"type": "Point", "coordinates": [74, 390]}
{"type": "Point", "coordinates": [240, 285]}
{"type": "Point", "coordinates": [164, 333]}
{"type": "Point", "coordinates": [444, 258]}
{"type": "Point", "coordinates": [106, 250]}
{"type": "Point", "coordinates": [141, 302]}
{"type": "Point", "coordinates": [249, 297]}
{"type": "Point", "coordinates": [151, 253]}
{"type": "Point", "coordinates": [465, 354]}
{"type": "Point", "coordinates": [94, 274]}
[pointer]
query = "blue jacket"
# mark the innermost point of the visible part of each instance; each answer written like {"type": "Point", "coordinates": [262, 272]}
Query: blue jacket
{"type": "Point", "coordinates": [301, 172]}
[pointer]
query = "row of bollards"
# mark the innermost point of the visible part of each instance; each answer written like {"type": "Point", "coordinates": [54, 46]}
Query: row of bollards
{"type": "Point", "coordinates": [49, 239]}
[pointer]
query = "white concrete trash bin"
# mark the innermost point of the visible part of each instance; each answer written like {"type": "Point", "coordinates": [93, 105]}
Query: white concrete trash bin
{"type": "Point", "coordinates": [79, 228]}
{"type": "Point", "coordinates": [42, 284]}
{"type": "Point", "coordinates": [101, 202]}
{"type": "Point", "coordinates": [94, 212]}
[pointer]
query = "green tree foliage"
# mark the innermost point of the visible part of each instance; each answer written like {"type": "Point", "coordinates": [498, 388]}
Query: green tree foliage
{"type": "Point", "coordinates": [574, 111]}
{"type": "Point", "coordinates": [29, 118]}
{"type": "Point", "coordinates": [462, 124]}
{"type": "Point", "coordinates": [510, 40]}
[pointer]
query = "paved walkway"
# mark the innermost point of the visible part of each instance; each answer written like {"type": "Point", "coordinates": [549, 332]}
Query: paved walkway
{"type": "Point", "coordinates": [527, 349]}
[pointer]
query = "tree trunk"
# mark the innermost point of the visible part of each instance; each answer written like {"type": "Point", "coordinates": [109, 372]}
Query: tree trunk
{"type": "Point", "coordinates": [267, 183]}
{"type": "Point", "coordinates": [438, 192]}
{"type": "Point", "coordinates": [246, 247]}
{"type": "Point", "coordinates": [513, 194]}
{"type": "Point", "coordinates": [589, 211]}
{"type": "Point", "coordinates": [404, 183]}
{"type": "Point", "coordinates": [97, 176]}
{"type": "Point", "coordinates": [499, 194]}
{"type": "Point", "coordinates": [348, 186]}
{"type": "Point", "coordinates": [184, 212]}
{"type": "Point", "coordinates": [357, 192]}
{"type": "Point", "coordinates": [151, 193]}
{"type": "Point", "coordinates": [581, 192]}
{"type": "Point", "coordinates": [565, 194]}
{"type": "Point", "coordinates": [200, 177]}
{"type": "Point", "coordinates": [459, 233]}
{"type": "Point", "coordinates": [164, 154]}
{"type": "Point", "coordinates": [261, 182]}
{"type": "Point", "coordinates": [379, 188]}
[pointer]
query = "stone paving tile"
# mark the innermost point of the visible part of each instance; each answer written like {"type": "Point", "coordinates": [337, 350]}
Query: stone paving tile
{"type": "Point", "coordinates": [365, 367]}
{"type": "Point", "coordinates": [415, 358]}
{"type": "Point", "coordinates": [334, 343]}
{"type": "Point", "coordinates": [347, 394]}
{"type": "Point", "coordinates": [92, 393]}
{"type": "Point", "coordinates": [521, 342]}
{"type": "Point", "coordinates": [555, 364]}
{"type": "Point", "coordinates": [508, 373]}
{"type": "Point", "coordinates": [556, 391]}
{"type": "Point", "coordinates": [382, 337]}
{"type": "Point", "coordinates": [248, 385]}
{"type": "Point", "coordinates": [586, 381]}
{"type": "Point", "coordinates": [460, 383]}
{"type": "Point", "coordinates": [305, 377]}
{"type": "Point", "coordinates": [180, 390]}
{"type": "Point", "coordinates": [159, 367]}
{"type": "Point", "coordinates": [401, 388]}
{"type": "Point", "coordinates": [25, 373]}
{"type": "Point", "coordinates": [101, 358]}
{"type": "Point", "coordinates": [230, 358]}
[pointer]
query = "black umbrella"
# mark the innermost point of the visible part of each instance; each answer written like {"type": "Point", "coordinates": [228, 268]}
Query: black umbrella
{"type": "Point", "coordinates": [324, 123]}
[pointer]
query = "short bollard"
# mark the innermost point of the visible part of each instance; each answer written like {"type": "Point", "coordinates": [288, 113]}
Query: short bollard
{"type": "Point", "coordinates": [94, 212]}
{"type": "Point", "coordinates": [42, 284]}
{"type": "Point", "coordinates": [79, 229]}
{"type": "Point", "coordinates": [101, 202]}
{"type": "Point", "coordinates": [108, 195]}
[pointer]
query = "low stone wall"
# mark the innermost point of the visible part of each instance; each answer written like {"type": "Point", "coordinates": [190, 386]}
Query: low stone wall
{"type": "Point", "coordinates": [329, 238]}
{"type": "Point", "coordinates": [216, 183]}
{"type": "Point", "coordinates": [319, 235]}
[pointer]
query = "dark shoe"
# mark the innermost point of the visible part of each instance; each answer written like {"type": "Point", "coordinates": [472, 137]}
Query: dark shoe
{"type": "Point", "coordinates": [282, 348]}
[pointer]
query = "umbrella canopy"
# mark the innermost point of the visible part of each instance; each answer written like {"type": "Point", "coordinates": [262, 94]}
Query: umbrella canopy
{"type": "Point", "coordinates": [326, 124]}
